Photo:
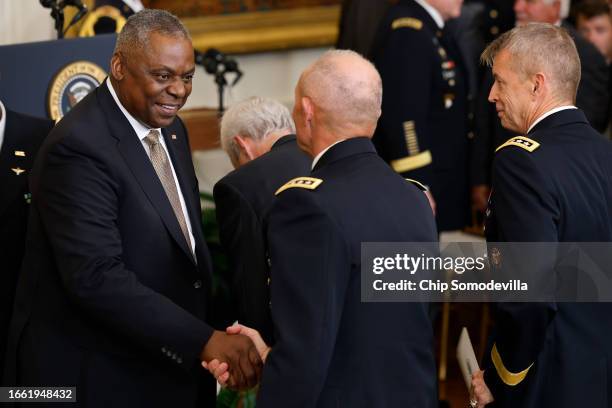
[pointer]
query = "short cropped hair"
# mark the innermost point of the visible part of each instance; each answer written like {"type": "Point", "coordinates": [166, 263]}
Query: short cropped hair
{"type": "Point", "coordinates": [347, 98]}
{"type": "Point", "coordinates": [540, 47]}
{"type": "Point", "coordinates": [136, 32]}
{"type": "Point", "coordinates": [255, 118]}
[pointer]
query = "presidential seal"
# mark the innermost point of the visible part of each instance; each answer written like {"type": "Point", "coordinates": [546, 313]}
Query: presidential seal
{"type": "Point", "coordinates": [71, 84]}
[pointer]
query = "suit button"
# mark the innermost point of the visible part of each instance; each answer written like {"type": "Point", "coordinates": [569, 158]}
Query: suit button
{"type": "Point", "coordinates": [197, 284]}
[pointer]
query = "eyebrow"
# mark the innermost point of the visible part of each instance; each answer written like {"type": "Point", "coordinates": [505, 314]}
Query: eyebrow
{"type": "Point", "coordinates": [165, 68]}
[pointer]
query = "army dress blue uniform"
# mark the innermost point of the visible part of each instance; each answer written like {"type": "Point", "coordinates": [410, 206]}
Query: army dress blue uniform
{"type": "Point", "coordinates": [422, 131]}
{"type": "Point", "coordinates": [332, 350]}
{"type": "Point", "coordinates": [552, 185]}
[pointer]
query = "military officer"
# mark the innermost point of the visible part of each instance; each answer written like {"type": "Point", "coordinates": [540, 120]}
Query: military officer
{"type": "Point", "coordinates": [422, 131]}
{"type": "Point", "coordinates": [551, 185]}
{"type": "Point", "coordinates": [331, 348]}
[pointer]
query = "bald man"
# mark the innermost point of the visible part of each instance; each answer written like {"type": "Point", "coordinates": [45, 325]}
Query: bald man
{"type": "Point", "coordinates": [332, 349]}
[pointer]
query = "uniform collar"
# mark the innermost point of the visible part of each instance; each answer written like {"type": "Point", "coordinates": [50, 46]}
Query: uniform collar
{"type": "Point", "coordinates": [435, 14]}
{"type": "Point", "coordinates": [560, 118]}
{"type": "Point", "coordinates": [141, 130]}
{"type": "Point", "coordinates": [345, 148]}
{"type": "Point", "coordinates": [318, 156]}
{"type": "Point", "coordinates": [547, 114]}
{"type": "Point", "coordinates": [2, 124]}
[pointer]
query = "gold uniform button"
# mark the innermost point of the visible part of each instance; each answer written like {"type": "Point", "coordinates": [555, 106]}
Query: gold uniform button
{"type": "Point", "coordinates": [494, 30]}
{"type": "Point", "coordinates": [493, 13]}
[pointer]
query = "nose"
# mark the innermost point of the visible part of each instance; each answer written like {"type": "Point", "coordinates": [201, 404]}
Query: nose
{"type": "Point", "coordinates": [493, 93]}
{"type": "Point", "coordinates": [177, 88]}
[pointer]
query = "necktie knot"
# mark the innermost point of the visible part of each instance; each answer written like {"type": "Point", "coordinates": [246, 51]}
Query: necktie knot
{"type": "Point", "coordinates": [152, 138]}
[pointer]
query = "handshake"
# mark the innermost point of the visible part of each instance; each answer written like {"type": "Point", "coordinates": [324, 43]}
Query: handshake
{"type": "Point", "coordinates": [235, 358]}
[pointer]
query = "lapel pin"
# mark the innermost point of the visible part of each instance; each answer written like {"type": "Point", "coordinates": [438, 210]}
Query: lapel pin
{"type": "Point", "coordinates": [18, 170]}
{"type": "Point", "coordinates": [19, 153]}
{"type": "Point", "coordinates": [173, 137]}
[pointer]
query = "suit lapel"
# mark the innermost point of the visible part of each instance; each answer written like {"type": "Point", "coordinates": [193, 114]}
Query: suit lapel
{"type": "Point", "coordinates": [136, 159]}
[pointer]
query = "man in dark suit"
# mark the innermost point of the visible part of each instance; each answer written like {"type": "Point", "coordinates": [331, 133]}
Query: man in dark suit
{"type": "Point", "coordinates": [552, 185]}
{"type": "Point", "coordinates": [422, 132]}
{"type": "Point", "coordinates": [331, 348]}
{"type": "Point", "coordinates": [20, 137]}
{"type": "Point", "coordinates": [258, 135]}
{"type": "Point", "coordinates": [112, 297]}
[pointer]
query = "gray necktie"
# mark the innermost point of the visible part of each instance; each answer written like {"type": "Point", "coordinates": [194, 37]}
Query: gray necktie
{"type": "Point", "coordinates": [161, 163]}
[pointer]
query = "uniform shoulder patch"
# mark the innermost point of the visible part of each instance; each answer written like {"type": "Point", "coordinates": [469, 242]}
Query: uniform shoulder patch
{"type": "Point", "coordinates": [521, 141]}
{"type": "Point", "coordinates": [418, 184]}
{"type": "Point", "coordinates": [309, 183]}
{"type": "Point", "coordinates": [409, 22]}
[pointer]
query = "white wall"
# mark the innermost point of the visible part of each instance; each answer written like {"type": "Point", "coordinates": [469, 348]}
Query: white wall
{"type": "Point", "coordinates": [272, 74]}
{"type": "Point", "coordinates": [24, 21]}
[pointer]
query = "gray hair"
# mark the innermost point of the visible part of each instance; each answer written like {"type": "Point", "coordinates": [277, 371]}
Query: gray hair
{"type": "Point", "coordinates": [540, 47]}
{"type": "Point", "coordinates": [346, 87]}
{"type": "Point", "coordinates": [138, 28]}
{"type": "Point", "coordinates": [255, 118]}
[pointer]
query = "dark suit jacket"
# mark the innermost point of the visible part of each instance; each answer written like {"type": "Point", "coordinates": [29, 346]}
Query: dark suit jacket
{"type": "Point", "coordinates": [23, 136]}
{"type": "Point", "coordinates": [110, 299]}
{"type": "Point", "coordinates": [560, 192]}
{"type": "Point", "coordinates": [242, 198]}
{"type": "Point", "coordinates": [422, 132]}
{"type": "Point", "coordinates": [332, 349]}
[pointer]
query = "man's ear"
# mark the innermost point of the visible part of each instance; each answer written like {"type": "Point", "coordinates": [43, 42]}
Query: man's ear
{"type": "Point", "coordinates": [539, 83]}
{"type": "Point", "coordinates": [117, 66]}
{"type": "Point", "coordinates": [307, 108]}
{"type": "Point", "coordinates": [244, 146]}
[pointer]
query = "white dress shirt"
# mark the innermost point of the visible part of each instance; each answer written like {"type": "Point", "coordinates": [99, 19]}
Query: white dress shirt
{"type": "Point", "coordinates": [142, 131]}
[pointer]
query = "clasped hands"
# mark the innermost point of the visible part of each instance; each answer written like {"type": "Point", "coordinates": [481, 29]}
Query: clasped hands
{"type": "Point", "coordinates": [235, 358]}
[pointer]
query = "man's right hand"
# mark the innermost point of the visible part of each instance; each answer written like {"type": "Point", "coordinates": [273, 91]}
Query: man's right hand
{"type": "Point", "coordinates": [240, 354]}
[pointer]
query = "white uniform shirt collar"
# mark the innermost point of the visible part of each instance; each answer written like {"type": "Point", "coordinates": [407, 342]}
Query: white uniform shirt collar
{"type": "Point", "coordinates": [318, 156]}
{"type": "Point", "coordinates": [2, 124]}
{"type": "Point", "coordinates": [550, 112]}
{"type": "Point", "coordinates": [435, 14]}
{"type": "Point", "coordinates": [141, 130]}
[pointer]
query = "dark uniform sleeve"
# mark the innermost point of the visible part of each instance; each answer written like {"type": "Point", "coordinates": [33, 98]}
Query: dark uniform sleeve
{"type": "Point", "coordinates": [310, 272]}
{"type": "Point", "coordinates": [242, 238]}
{"type": "Point", "coordinates": [78, 200]}
{"type": "Point", "coordinates": [524, 211]}
{"type": "Point", "coordinates": [404, 139]}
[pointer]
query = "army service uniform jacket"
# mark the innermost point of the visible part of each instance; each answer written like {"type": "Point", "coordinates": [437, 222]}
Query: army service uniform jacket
{"type": "Point", "coordinates": [552, 185]}
{"type": "Point", "coordinates": [331, 348]}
